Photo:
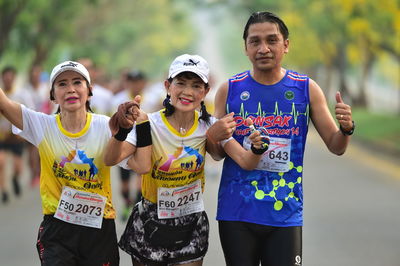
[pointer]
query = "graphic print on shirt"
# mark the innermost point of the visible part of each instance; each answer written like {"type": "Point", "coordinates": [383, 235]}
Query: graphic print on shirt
{"type": "Point", "coordinates": [76, 166]}
{"type": "Point", "coordinates": [277, 158]}
{"type": "Point", "coordinates": [184, 159]}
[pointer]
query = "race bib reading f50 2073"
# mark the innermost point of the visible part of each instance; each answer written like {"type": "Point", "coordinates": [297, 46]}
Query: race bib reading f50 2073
{"type": "Point", "coordinates": [81, 208]}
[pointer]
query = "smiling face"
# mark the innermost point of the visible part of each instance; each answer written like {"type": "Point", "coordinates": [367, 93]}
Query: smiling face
{"type": "Point", "coordinates": [265, 46]}
{"type": "Point", "coordinates": [71, 91]}
{"type": "Point", "coordinates": [187, 90]}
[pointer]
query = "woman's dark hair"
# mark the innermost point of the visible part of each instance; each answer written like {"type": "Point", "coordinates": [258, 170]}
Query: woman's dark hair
{"type": "Point", "coordinates": [170, 109]}
{"type": "Point", "coordinates": [260, 17]}
{"type": "Point", "coordinates": [52, 98]}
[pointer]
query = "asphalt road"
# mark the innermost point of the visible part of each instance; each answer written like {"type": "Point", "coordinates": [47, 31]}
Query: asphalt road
{"type": "Point", "coordinates": [352, 212]}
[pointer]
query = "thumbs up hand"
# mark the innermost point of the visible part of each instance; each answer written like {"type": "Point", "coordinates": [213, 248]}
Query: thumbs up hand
{"type": "Point", "coordinates": [343, 113]}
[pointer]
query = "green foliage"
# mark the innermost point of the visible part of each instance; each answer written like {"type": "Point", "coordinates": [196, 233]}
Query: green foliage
{"type": "Point", "coordinates": [382, 129]}
{"type": "Point", "coordinates": [142, 35]}
{"type": "Point", "coordinates": [115, 34]}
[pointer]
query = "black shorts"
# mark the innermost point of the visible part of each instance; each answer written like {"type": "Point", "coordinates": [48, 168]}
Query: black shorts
{"type": "Point", "coordinates": [15, 148]}
{"type": "Point", "coordinates": [60, 243]}
{"type": "Point", "coordinates": [125, 174]}
{"type": "Point", "coordinates": [249, 244]}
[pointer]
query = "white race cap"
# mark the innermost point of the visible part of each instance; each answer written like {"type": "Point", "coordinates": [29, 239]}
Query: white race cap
{"type": "Point", "coordinates": [69, 66]}
{"type": "Point", "coordinates": [190, 63]}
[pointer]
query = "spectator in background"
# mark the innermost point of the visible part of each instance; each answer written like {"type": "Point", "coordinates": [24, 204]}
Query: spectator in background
{"type": "Point", "coordinates": [100, 101]}
{"type": "Point", "coordinates": [9, 143]}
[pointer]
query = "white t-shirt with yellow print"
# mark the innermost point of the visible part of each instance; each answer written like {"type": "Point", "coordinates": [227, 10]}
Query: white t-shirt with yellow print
{"type": "Point", "coordinates": [177, 159]}
{"type": "Point", "coordinates": [66, 159]}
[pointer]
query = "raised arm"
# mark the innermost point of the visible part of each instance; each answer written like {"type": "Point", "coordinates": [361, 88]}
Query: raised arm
{"type": "Point", "coordinates": [335, 139]}
{"type": "Point", "coordinates": [11, 110]}
{"type": "Point", "coordinates": [118, 148]}
{"type": "Point", "coordinates": [121, 123]}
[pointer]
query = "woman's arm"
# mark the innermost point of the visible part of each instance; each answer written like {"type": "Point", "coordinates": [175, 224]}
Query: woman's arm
{"type": "Point", "coordinates": [247, 159]}
{"type": "Point", "coordinates": [140, 161]}
{"type": "Point", "coordinates": [11, 110]}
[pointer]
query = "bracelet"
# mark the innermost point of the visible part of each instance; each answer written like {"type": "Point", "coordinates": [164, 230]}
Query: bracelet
{"type": "Point", "coordinates": [122, 133]}
{"type": "Point", "coordinates": [348, 133]}
{"type": "Point", "coordinates": [143, 134]}
{"type": "Point", "coordinates": [259, 151]}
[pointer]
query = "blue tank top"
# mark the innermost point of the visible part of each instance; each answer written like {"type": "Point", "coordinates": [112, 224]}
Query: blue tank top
{"type": "Point", "coordinates": [272, 194]}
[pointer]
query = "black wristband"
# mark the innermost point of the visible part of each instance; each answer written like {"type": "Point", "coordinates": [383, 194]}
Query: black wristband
{"type": "Point", "coordinates": [122, 133]}
{"type": "Point", "coordinates": [143, 134]}
{"type": "Point", "coordinates": [348, 133]}
{"type": "Point", "coordinates": [259, 151]}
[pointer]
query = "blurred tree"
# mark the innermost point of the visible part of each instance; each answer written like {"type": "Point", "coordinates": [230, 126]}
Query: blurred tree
{"type": "Point", "coordinates": [9, 12]}
{"type": "Point", "coordinates": [137, 34]}
{"type": "Point", "coordinates": [114, 33]}
{"type": "Point", "coordinates": [354, 36]}
{"type": "Point", "coordinates": [40, 27]}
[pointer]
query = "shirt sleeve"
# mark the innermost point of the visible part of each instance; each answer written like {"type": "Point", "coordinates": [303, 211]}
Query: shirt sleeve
{"type": "Point", "coordinates": [33, 125]}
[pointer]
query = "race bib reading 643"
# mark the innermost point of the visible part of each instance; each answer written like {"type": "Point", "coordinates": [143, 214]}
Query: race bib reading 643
{"type": "Point", "coordinates": [277, 157]}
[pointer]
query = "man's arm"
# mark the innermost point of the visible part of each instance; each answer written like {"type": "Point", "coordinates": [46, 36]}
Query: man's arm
{"type": "Point", "coordinates": [323, 121]}
{"type": "Point", "coordinates": [247, 159]}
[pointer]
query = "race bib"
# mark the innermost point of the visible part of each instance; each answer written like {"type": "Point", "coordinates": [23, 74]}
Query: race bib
{"type": "Point", "coordinates": [276, 158]}
{"type": "Point", "coordinates": [81, 208]}
{"type": "Point", "coordinates": [180, 201]}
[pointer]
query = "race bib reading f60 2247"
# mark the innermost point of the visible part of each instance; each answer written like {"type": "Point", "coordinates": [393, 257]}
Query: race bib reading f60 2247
{"type": "Point", "coordinates": [180, 201]}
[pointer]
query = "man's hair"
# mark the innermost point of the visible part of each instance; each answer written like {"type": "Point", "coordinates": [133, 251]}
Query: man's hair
{"type": "Point", "coordinates": [9, 69]}
{"type": "Point", "coordinates": [260, 17]}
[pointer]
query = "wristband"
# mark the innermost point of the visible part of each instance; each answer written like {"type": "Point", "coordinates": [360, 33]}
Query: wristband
{"type": "Point", "coordinates": [259, 151]}
{"type": "Point", "coordinates": [348, 133]}
{"type": "Point", "coordinates": [122, 133]}
{"type": "Point", "coordinates": [143, 134]}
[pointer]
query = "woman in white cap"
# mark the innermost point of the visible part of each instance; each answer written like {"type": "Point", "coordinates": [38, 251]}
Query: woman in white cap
{"type": "Point", "coordinates": [78, 226]}
{"type": "Point", "coordinates": [169, 225]}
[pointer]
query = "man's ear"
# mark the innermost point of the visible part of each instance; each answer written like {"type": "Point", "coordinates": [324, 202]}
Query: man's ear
{"type": "Point", "coordinates": [286, 44]}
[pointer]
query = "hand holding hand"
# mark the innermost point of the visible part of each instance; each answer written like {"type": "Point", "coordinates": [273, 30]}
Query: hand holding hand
{"type": "Point", "coordinates": [258, 140]}
{"type": "Point", "coordinates": [125, 116]}
{"type": "Point", "coordinates": [223, 128]}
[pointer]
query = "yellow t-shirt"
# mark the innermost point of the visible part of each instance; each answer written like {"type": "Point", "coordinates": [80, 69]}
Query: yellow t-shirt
{"type": "Point", "coordinates": [66, 159]}
{"type": "Point", "coordinates": [177, 159]}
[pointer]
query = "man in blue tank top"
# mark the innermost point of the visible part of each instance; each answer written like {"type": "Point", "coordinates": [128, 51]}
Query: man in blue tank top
{"type": "Point", "coordinates": [260, 212]}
